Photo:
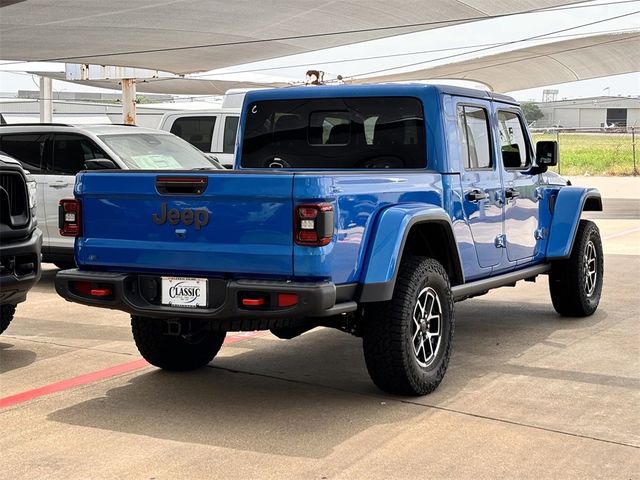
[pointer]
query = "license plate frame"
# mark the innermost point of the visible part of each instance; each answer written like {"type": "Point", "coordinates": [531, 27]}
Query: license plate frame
{"type": "Point", "coordinates": [184, 292]}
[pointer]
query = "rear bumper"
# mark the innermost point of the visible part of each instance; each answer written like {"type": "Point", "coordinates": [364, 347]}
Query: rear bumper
{"type": "Point", "coordinates": [139, 294]}
{"type": "Point", "coordinates": [19, 268]}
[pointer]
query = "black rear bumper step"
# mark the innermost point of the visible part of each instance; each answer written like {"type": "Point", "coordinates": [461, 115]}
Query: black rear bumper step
{"type": "Point", "coordinates": [130, 293]}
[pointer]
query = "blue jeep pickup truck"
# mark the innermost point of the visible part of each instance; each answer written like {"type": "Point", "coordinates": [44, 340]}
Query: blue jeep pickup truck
{"type": "Point", "coordinates": [371, 209]}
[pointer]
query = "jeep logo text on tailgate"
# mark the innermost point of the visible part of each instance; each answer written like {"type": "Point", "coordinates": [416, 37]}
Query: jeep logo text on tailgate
{"type": "Point", "coordinates": [198, 217]}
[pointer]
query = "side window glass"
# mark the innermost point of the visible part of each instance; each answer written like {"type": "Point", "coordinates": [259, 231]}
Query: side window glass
{"type": "Point", "coordinates": [474, 133]}
{"type": "Point", "coordinates": [28, 149]}
{"type": "Point", "coordinates": [329, 128]}
{"type": "Point", "coordinates": [230, 131]}
{"type": "Point", "coordinates": [513, 142]}
{"type": "Point", "coordinates": [198, 131]}
{"type": "Point", "coordinates": [369, 127]}
{"type": "Point", "coordinates": [70, 152]}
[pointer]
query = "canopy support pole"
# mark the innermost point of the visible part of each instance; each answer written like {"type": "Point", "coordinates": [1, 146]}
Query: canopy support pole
{"type": "Point", "coordinates": [129, 101]}
{"type": "Point", "coordinates": [46, 100]}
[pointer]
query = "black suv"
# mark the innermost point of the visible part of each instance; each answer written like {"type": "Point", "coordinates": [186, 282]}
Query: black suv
{"type": "Point", "coordinates": [20, 240]}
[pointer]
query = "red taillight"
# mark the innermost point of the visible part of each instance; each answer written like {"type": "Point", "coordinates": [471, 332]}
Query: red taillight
{"type": "Point", "coordinates": [314, 224]}
{"type": "Point", "coordinates": [69, 218]}
{"type": "Point", "coordinates": [307, 213]}
{"type": "Point", "coordinates": [253, 302]}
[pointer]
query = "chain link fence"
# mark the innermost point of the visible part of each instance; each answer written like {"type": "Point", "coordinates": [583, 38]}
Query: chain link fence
{"type": "Point", "coordinates": [593, 151]}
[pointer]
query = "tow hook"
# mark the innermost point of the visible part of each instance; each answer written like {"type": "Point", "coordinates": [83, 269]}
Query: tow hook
{"type": "Point", "coordinates": [173, 328]}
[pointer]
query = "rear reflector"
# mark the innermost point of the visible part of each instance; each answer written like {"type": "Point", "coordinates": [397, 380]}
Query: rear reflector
{"type": "Point", "coordinates": [287, 299]}
{"type": "Point", "coordinates": [100, 292]}
{"type": "Point", "coordinates": [88, 289]}
{"type": "Point", "coordinates": [70, 218]}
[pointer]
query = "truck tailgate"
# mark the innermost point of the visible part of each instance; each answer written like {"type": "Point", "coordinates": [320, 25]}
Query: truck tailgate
{"type": "Point", "coordinates": [238, 224]}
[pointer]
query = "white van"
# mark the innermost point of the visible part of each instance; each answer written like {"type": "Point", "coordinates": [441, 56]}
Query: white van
{"type": "Point", "coordinates": [213, 130]}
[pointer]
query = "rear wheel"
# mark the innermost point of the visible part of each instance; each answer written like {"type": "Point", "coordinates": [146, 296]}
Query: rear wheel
{"type": "Point", "coordinates": [407, 340]}
{"type": "Point", "coordinates": [186, 351]}
{"type": "Point", "coordinates": [575, 284]}
{"type": "Point", "coordinates": [6, 315]}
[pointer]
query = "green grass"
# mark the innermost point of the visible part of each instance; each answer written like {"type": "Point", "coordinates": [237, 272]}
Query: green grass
{"type": "Point", "coordinates": [595, 153]}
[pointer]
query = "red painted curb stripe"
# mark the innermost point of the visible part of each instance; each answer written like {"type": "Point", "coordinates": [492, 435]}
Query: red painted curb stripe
{"type": "Point", "coordinates": [242, 336]}
{"type": "Point", "coordinates": [72, 382]}
{"type": "Point", "coordinates": [99, 375]}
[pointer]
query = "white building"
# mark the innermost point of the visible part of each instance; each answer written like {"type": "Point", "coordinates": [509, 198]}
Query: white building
{"type": "Point", "coordinates": [24, 110]}
{"type": "Point", "coordinates": [591, 112]}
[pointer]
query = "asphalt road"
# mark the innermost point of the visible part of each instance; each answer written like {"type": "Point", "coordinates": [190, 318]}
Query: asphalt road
{"type": "Point", "coordinates": [528, 394]}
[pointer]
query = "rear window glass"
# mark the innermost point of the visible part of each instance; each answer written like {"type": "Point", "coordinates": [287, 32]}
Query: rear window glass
{"type": "Point", "coordinates": [198, 131]}
{"type": "Point", "coordinates": [376, 132]}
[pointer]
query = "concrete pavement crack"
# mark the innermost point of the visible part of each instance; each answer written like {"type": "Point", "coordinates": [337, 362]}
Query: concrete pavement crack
{"type": "Point", "coordinates": [69, 346]}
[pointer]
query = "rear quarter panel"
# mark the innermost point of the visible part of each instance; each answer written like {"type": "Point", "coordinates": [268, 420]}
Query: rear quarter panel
{"type": "Point", "coordinates": [358, 198]}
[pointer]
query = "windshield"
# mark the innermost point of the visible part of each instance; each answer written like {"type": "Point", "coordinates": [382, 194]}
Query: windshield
{"type": "Point", "coordinates": [149, 151]}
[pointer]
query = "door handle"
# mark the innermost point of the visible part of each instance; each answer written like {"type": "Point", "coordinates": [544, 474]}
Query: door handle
{"type": "Point", "coordinates": [511, 193]}
{"type": "Point", "coordinates": [59, 185]}
{"type": "Point", "coordinates": [477, 195]}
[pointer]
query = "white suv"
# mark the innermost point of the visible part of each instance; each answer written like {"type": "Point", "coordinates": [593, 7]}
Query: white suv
{"type": "Point", "coordinates": [54, 153]}
{"type": "Point", "coordinates": [212, 131]}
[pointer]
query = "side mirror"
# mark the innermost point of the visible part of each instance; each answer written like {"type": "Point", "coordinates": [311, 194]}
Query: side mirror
{"type": "Point", "coordinates": [99, 164]}
{"type": "Point", "coordinates": [546, 153]}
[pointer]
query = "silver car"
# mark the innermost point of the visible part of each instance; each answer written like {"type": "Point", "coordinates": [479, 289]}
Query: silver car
{"type": "Point", "coordinates": [54, 153]}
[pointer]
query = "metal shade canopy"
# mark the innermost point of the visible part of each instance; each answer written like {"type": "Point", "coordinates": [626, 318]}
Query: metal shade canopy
{"type": "Point", "coordinates": [558, 62]}
{"type": "Point", "coordinates": [169, 86]}
{"type": "Point", "coordinates": [183, 36]}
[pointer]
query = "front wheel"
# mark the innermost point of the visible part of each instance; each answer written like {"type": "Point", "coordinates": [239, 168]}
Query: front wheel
{"type": "Point", "coordinates": [182, 352]}
{"type": "Point", "coordinates": [575, 284]}
{"type": "Point", "coordinates": [407, 340]}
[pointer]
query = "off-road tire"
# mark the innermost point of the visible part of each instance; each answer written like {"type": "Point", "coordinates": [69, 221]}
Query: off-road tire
{"type": "Point", "coordinates": [174, 352]}
{"type": "Point", "coordinates": [6, 315]}
{"type": "Point", "coordinates": [569, 281]}
{"type": "Point", "coordinates": [388, 341]}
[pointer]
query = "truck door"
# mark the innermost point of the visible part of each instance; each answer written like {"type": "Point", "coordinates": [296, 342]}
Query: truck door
{"type": "Point", "coordinates": [521, 209]}
{"type": "Point", "coordinates": [481, 180]}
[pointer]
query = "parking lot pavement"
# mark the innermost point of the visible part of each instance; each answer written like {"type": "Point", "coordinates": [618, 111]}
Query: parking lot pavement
{"type": "Point", "coordinates": [528, 394]}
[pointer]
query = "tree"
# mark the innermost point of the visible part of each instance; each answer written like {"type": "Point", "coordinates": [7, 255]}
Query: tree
{"type": "Point", "coordinates": [531, 112]}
